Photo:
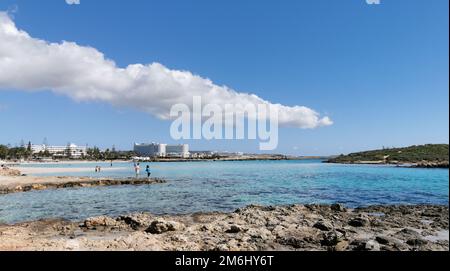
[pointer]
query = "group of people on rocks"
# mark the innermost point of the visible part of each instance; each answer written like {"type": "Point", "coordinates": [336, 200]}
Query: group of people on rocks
{"type": "Point", "coordinates": [137, 170]}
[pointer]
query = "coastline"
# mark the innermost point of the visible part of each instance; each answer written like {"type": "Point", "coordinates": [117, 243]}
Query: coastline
{"type": "Point", "coordinates": [62, 170]}
{"type": "Point", "coordinates": [16, 184]}
{"type": "Point", "coordinates": [253, 228]}
{"type": "Point", "coordinates": [161, 160]}
{"type": "Point", "coordinates": [442, 165]}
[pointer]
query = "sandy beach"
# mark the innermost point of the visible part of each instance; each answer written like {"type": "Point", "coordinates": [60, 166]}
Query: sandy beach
{"type": "Point", "coordinates": [71, 162]}
{"type": "Point", "coordinates": [62, 170]}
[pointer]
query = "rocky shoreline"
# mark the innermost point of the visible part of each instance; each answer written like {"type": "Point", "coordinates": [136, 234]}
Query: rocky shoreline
{"type": "Point", "coordinates": [440, 164]}
{"type": "Point", "coordinates": [295, 227]}
{"type": "Point", "coordinates": [443, 164]}
{"type": "Point", "coordinates": [25, 184]}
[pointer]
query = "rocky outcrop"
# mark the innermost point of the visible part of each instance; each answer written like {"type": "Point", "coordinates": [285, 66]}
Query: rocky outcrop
{"type": "Point", "coordinates": [295, 227]}
{"type": "Point", "coordinates": [162, 226]}
{"type": "Point", "coordinates": [71, 182]}
{"type": "Point", "coordinates": [425, 164]}
{"type": "Point", "coordinates": [100, 222]}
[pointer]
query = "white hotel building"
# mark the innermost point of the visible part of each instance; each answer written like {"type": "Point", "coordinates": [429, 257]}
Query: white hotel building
{"type": "Point", "coordinates": [75, 151]}
{"type": "Point", "coordinates": [162, 150]}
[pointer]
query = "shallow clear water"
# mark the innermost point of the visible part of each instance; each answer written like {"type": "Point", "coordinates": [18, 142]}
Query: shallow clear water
{"type": "Point", "coordinates": [225, 186]}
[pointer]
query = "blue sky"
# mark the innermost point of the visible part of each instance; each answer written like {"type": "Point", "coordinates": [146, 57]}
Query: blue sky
{"type": "Point", "coordinates": [380, 72]}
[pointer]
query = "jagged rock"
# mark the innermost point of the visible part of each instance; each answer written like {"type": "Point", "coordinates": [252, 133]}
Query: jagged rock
{"type": "Point", "coordinates": [341, 246]}
{"type": "Point", "coordinates": [437, 164]}
{"type": "Point", "coordinates": [416, 242]}
{"type": "Point", "coordinates": [292, 241]}
{"type": "Point", "coordinates": [408, 234]}
{"type": "Point", "coordinates": [331, 238]}
{"type": "Point", "coordinates": [372, 245]}
{"type": "Point", "coordinates": [234, 229]}
{"type": "Point", "coordinates": [260, 233]}
{"type": "Point", "coordinates": [292, 228]}
{"type": "Point", "coordinates": [431, 213]}
{"type": "Point", "coordinates": [137, 221]}
{"type": "Point", "coordinates": [359, 222]}
{"type": "Point", "coordinates": [101, 221]}
{"type": "Point", "coordinates": [323, 225]}
{"type": "Point", "coordinates": [384, 240]}
{"type": "Point", "coordinates": [338, 207]}
{"type": "Point", "coordinates": [38, 187]}
{"type": "Point", "coordinates": [162, 226]}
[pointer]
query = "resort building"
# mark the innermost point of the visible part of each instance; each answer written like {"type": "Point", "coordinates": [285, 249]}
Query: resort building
{"type": "Point", "coordinates": [202, 154]}
{"type": "Point", "coordinates": [150, 150]}
{"type": "Point", "coordinates": [70, 150]}
{"type": "Point", "coordinates": [161, 150]}
{"type": "Point", "coordinates": [181, 151]}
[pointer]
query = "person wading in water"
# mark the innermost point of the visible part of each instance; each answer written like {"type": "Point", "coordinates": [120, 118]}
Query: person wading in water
{"type": "Point", "coordinates": [147, 169]}
{"type": "Point", "coordinates": [137, 168]}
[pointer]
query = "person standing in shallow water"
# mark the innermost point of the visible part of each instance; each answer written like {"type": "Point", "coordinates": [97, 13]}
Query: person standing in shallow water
{"type": "Point", "coordinates": [137, 169]}
{"type": "Point", "coordinates": [147, 169]}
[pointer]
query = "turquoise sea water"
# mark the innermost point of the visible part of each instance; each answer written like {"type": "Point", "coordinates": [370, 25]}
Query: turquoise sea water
{"type": "Point", "coordinates": [225, 186]}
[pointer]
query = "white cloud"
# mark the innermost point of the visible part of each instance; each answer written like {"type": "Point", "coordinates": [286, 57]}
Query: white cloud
{"type": "Point", "coordinates": [84, 74]}
{"type": "Point", "coordinates": [73, 2]}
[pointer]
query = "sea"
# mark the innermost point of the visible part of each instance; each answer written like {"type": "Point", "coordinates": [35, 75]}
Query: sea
{"type": "Point", "coordinates": [227, 185]}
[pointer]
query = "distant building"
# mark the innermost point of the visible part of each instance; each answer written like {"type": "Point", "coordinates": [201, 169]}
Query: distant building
{"type": "Point", "coordinates": [161, 150]}
{"type": "Point", "coordinates": [181, 151]}
{"type": "Point", "coordinates": [150, 150]}
{"type": "Point", "coordinates": [201, 154]}
{"type": "Point", "coordinates": [70, 150]}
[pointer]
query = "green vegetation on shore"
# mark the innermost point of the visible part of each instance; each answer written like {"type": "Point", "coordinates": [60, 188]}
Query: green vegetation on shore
{"type": "Point", "coordinates": [24, 152]}
{"type": "Point", "coordinates": [431, 153]}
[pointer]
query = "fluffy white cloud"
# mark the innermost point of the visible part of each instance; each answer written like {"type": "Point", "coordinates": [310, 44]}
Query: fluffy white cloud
{"type": "Point", "coordinates": [84, 74]}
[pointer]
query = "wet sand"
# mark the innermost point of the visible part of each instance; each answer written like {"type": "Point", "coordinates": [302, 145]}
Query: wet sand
{"type": "Point", "coordinates": [63, 170]}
